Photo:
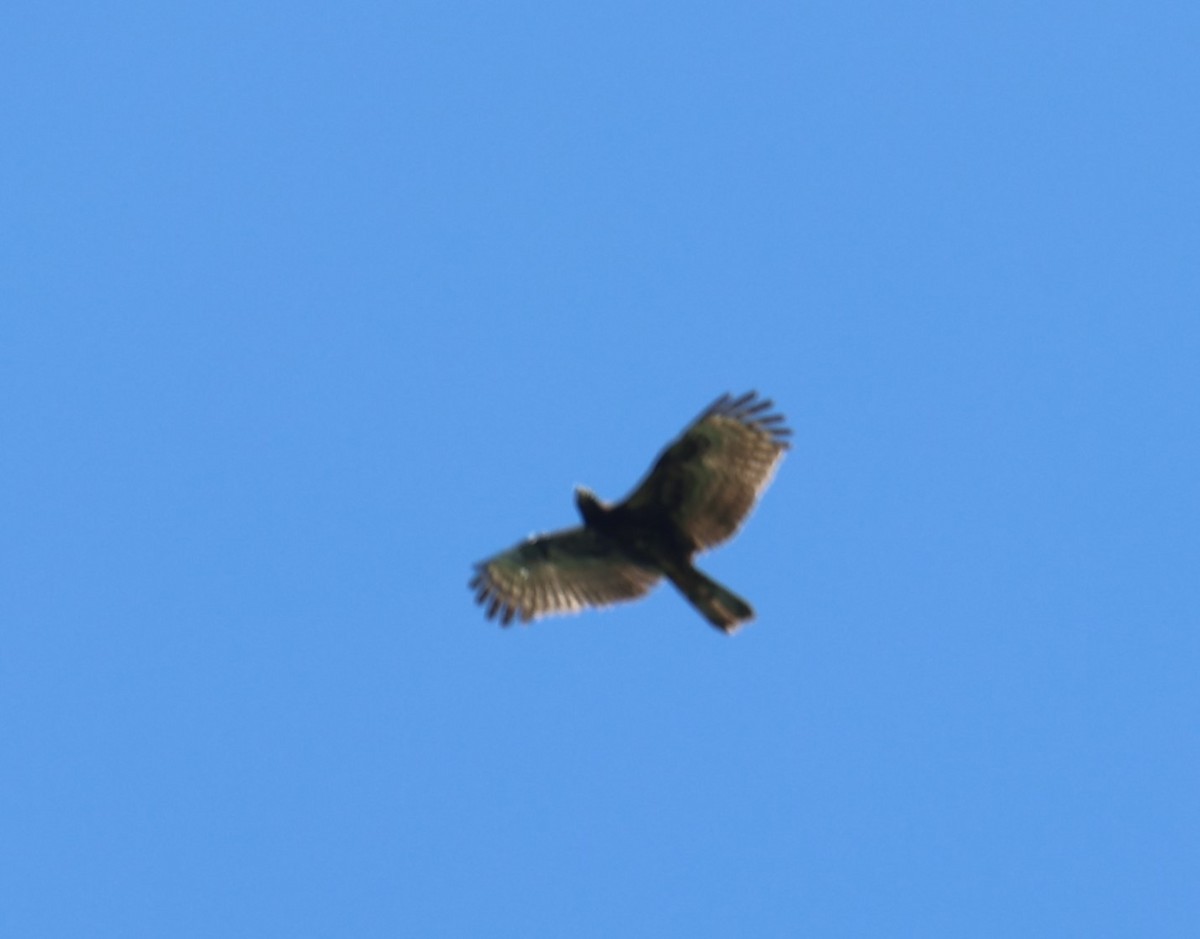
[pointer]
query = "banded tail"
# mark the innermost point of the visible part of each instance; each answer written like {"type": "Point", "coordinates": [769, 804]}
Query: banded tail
{"type": "Point", "coordinates": [716, 603]}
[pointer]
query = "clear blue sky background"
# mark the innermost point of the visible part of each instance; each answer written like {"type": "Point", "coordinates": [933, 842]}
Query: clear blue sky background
{"type": "Point", "coordinates": [308, 307]}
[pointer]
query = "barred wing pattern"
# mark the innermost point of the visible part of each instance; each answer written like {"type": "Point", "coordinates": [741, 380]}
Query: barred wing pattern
{"type": "Point", "coordinates": [561, 572]}
{"type": "Point", "coordinates": [708, 480]}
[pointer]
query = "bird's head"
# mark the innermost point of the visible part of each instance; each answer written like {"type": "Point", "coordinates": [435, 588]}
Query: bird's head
{"type": "Point", "coordinates": [589, 506]}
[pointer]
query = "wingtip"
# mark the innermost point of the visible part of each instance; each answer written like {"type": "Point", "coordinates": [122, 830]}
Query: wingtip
{"type": "Point", "coordinates": [755, 412]}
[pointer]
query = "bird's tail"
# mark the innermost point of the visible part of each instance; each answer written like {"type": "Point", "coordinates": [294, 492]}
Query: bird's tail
{"type": "Point", "coordinates": [719, 605]}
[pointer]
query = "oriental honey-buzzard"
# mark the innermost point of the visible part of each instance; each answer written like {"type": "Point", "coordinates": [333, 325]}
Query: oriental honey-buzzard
{"type": "Point", "coordinates": [697, 494]}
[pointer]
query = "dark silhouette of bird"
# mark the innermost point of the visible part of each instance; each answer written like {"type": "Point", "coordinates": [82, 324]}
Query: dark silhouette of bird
{"type": "Point", "coordinates": [697, 494]}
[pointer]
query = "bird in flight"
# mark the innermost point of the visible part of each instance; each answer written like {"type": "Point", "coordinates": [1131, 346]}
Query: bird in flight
{"type": "Point", "coordinates": [697, 494]}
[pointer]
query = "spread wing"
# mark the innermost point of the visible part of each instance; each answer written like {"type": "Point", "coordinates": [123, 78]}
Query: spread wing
{"type": "Point", "coordinates": [561, 572]}
{"type": "Point", "coordinates": [708, 480]}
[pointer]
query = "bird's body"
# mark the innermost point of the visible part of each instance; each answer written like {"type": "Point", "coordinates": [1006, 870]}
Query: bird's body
{"type": "Point", "coordinates": [696, 495]}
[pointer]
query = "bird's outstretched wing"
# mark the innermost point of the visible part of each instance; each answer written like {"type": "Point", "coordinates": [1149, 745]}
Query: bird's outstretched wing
{"type": "Point", "coordinates": [708, 480]}
{"type": "Point", "coordinates": [561, 572]}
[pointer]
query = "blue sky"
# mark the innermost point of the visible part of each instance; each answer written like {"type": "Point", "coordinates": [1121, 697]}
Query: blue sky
{"type": "Point", "coordinates": [308, 307]}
